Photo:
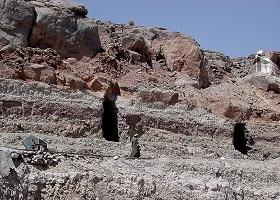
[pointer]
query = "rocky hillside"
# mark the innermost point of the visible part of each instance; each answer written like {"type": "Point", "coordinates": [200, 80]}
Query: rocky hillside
{"type": "Point", "coordinates": [55, 64]}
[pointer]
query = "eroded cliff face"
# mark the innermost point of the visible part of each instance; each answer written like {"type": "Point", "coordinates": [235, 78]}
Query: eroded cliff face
{"type": "Point", "coordinates": [47, 24]}
{"type": "Point", "coordinates": [55, 64]}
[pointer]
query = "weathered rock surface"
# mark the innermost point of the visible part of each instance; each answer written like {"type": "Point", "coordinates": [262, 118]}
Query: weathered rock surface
{"type": "Point", "coordinates": [96, 85]}
{"type": "Point", "coordinates": [6, 163]}
{"type": "Point", "coordinates": [31, 103]}
{"type": "Point", "coordinates": [39, 24]}
{"type": "Point", "coordinates": [38, 72]}
{"type": "Point", "coordinates": [274, 57]}
{"type": "Point", "coordinates": [264, 82]}
{"type": "Point", "coordinates": [183, 101]}
{"type": "Point", "coordinates": [28, 101]}
{"type": "Point", "coordinates": [71, 81]}
{"type": "Point", "coordinates": [181, 53]}
{"type": "Point", "coordinates": [242, 65]}
{"type": "Point", "coordinates": [63, 32]}
{"type": "Point", "coordinates": [219, 66]}
{"type": "Point", "coordinates": [201, 175]}
{"type": "Point", "coordinates": [25, 56]}
{"type": "Point", "coordinates": [167, 97]}
{"type": "Point", "coordinates": [136, 42]}
{"type": "Point", "coordinates": [16, 21]}
{"type": "Point", "coordinates": [238, 111]}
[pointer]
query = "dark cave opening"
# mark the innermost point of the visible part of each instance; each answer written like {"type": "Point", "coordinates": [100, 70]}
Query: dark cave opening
{"type": "Point", "coordinates": [239, 138]}
{"type": "Point", "coordinates": [110, 121]}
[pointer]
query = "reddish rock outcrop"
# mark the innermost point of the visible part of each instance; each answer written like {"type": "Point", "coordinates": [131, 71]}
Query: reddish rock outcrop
{"type": "Point", "coordinates": [70, 80]}
{"type": "Point", "coordinates": [96, 85]}
{"type": "Point", "coordinates": [37, 72]}
{"type": "Point", "coordinates": [181, 53]}
{"type": "Point", "coordinates": [274, 57]}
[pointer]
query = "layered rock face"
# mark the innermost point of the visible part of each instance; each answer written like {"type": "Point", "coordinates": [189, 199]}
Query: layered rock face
{"type": "Point", "coordinates": [183, 101]}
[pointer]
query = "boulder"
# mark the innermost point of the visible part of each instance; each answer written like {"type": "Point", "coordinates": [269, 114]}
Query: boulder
{"type": "Point", "coordinates": [79, 10]}
{"type": "Point", "coordinates": [37, 72]}
{"type": "Point", "coordinates": [156, 95]}
{"type": "Point", "coordinates": [219, 66]}
{"type": "Point", "coordinates": [16, 19]}
{"type": "Point", "coordinates": [96, 85]}
{"type": "Point", "coordinates": [238, 111]}
{"type": "Point", "coordinates": [32, 72]}
{"type": "Point", "coordinates": [181, 53]}
{"type": "Point", "coordinates": [134, 57]}
{"type": "Point", "coordinates": [274, 57]}
{"type": "Point", "coordinates": [132, 118]}
{"type": "Point", "coordinates": [48, 75]}
{"type": "Point", "coordinates": [264, 82]}
{"type": "Point", "coordinates": [69, 35]}
{"type": "Point", "coordinates": [136, 42]}
{"type": "Point", "coordinates": [71, 81]}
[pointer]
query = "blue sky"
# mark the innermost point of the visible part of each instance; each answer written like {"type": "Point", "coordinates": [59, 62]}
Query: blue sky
{"type": "Point", "coordinates": [233, 27]}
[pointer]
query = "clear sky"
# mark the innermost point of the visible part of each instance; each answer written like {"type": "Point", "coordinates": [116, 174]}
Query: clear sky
{"type": "Point", "coordinates": [233, 27]}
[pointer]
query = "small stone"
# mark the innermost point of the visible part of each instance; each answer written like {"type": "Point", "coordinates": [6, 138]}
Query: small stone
{"type": "Point", "coordinates": [15, 155]}
{"type": "Point", "coordinates": [50, 162]}
{"type": "Point", "coordinates": [42, 162]}
{"type": "Point", "coordinates": [46, 156]}
{"type": "Point", "coordinates": [112, 29]}
{"type": "Point", "coordinates": [116, 157]}
{"type": "Point", "coordinates": [58, 159]}
{"type": "Point", "coordinates": [55, 161]}
{"type": "Point", "coordinates": [37, 157]}
{"type": "Point", "coordinates": [95, 85]}
{"type": "Point", "coordinates": [173, 74]}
